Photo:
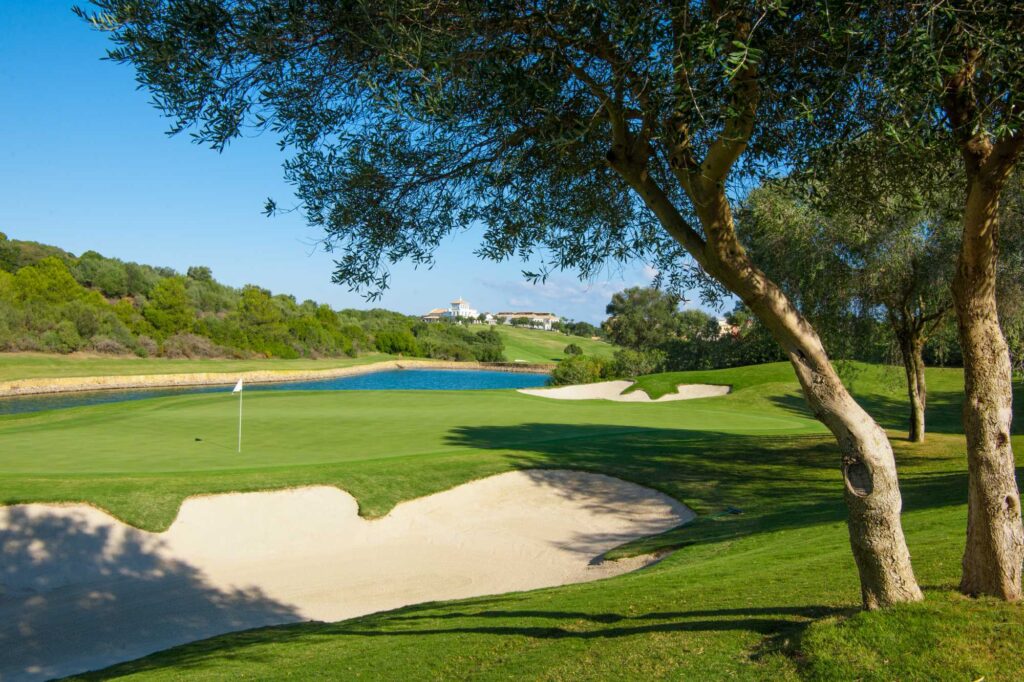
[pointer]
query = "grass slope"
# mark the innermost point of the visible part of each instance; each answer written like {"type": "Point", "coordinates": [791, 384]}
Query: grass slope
{"type": "Point", "coordinates": [770, 593]}
{"type": "Point", "coordinates": [534, 345]}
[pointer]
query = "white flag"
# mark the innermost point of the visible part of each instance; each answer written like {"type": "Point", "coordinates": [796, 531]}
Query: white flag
{"type": "Point", "coordinates": [238, 387]}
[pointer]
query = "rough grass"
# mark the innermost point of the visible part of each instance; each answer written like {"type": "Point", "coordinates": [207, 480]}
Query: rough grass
{"type": "Point", "coordinates": [767, 593]}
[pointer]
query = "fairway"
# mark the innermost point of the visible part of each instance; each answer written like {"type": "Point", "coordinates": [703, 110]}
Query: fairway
{"type": "Point", "coordinates": [388, 441]}
{"type": "Point", "coordinates": [760, 585]}
{"type": "Point", "coordinates": [535, 345]}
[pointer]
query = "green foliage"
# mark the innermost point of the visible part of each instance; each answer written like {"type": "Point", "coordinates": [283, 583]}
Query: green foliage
{"type": "Point", "coordinates": [55, 302]}
{"type": "Point", "coordinates": [48, 281]}
{"type": "Point", "coordinates": [634, 363]}
{"type": "Point", "coordinates": [499, 115]}
{"type": "Point", "coordinates": [573, 349]}
{"type": "Point", "coordinates": [579, 369]}
{"type": "Point", "coordinates": [448, 341]}
{"type": "Point", "coordinates": [660, 337]}
{"type": "Point", "coordinates": [168, 308]}
{"type": "Point", "coordinates": [200, 273]}
{"type": "Point", "coordinates": [573, 328]}
{"type": "Point", "coordinates": [642, 318]}
{"type": "Point", "coordinates": [864, 243]}
{"type": "Point", "coordinates": [397, 342]}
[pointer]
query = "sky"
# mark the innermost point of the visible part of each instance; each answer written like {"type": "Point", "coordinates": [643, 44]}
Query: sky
{"type": "Point", "coordinates": [86, 163]}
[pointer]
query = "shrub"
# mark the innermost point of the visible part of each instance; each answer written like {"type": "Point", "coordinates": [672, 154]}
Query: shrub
{"type": "Point", "coordinates": [488, 347]}
{"type": "Point", "coordinates": [190, 346]}
{"type": "Point", "coordinates": [573, 349]}
{"type": "Point", "coordinates": [634, 363]}
{"type": "Point", "coordinates": [63, 338]}
{"type": "Point", "coordinates": [105, 344]}
{"type": "Point", "coordinates": [396, 341]}
{"type": "Point", "coordinates": [145, 347]}
{"type": "Point", "coordinates": [578, 369]}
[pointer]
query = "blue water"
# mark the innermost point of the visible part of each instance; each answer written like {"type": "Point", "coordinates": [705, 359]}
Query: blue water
{"type": "Point", "coordinates": [390, 380]}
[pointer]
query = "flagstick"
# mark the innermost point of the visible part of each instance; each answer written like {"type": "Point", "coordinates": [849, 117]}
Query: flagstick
{"type": "Point", "coordinates": [240, 421]}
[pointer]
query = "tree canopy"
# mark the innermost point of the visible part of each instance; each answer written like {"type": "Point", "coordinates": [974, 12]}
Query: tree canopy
{"type": "Point", "coordinates": [411, 121]}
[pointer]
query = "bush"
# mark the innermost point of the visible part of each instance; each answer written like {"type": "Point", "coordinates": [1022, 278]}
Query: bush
{"type": "Point", "coordinates": [105, 344]}
{"type": "Point", "coordinates": [488, 346]}
{"type": "Point", "coordinates": [578, 369]}
{"type": "Point", "coordinates": [191, 346]}
{"type": "Point", "coordinates": [63, 338]}
{"type": "Point", "coordinates": [396, 341]}
{"type": "Point", "coordinates": [634, 363]}
{"type": "Point", "coordinates": [573, 349]}
{"type": "Point", "coordinates": [145, 347]}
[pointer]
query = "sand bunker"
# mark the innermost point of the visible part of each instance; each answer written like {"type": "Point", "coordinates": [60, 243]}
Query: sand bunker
{"type": "Point", "coordinates": [80, 590]}
{"type": "Point", "coordinates": [613, 390]}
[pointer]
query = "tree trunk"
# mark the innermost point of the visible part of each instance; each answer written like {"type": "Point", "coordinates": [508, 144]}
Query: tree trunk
{"type": "Point", "coordinates": [995, 537]}
{"type": "Point", "coordinates": [871, 487]}
{"type": "Point", "coordinates": [912, 354]}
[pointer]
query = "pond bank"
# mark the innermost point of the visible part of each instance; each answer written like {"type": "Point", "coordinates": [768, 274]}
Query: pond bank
{"type": "Point", "coordinates": [43, 385]}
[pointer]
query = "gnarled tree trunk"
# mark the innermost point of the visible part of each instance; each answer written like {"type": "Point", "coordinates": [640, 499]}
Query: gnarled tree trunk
{"type": "Point", "coordinates": [871, 487]}
{"type": "Point", "coordinates": [995, 537]}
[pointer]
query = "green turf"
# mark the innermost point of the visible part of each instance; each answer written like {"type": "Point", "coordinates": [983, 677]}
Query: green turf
{"type": "Point", "coordinates": [534, 345]}
{"type": "Point", "coordinates": [38, 365]}
{"type": "Point", "coordinates": [769, 593]}
{"type": "Point", "coordinates": [528, 345]}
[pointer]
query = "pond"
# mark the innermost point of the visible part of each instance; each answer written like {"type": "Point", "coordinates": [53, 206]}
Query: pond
{"type": "Point", "coordinates": [389, 380]}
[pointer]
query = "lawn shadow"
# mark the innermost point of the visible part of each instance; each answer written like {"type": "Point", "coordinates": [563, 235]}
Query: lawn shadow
{"type": "Point", "coordinates": [76, 595]}
{"type": "Point", "coordinates": [498, 617]}
{"type": "Point", "coordinates": [943, 413]}
{"type": "Point", "coordinates": [737, 484]}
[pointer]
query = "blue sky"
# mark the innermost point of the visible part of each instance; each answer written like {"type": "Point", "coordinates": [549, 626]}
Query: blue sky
{"type": "Point", "coordinates": [86, 164]}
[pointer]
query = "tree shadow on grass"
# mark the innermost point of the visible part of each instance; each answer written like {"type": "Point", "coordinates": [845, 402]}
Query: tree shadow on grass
{"type": "Point", "coordinates": [488, 617]}
{"type": "Point", "coordinates": [76, 595]}
{"type": "Point", "coordinates": [778, 482]}
{"type": "Point", "coordinates": [943, 414]}
{"type": "Point", "coordinates": [737, 484]}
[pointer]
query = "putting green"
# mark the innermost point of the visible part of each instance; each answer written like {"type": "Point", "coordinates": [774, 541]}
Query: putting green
{"type": "Point", "coordinates": [139, 460]}
{"type": "Point", "coordinates": [198, 432]}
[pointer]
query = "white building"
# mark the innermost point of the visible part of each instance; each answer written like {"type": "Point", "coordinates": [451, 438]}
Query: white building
{"type": "Point", "coordinates": [459, 308]}
{"type": "Point", "coordinates": [537, 320]}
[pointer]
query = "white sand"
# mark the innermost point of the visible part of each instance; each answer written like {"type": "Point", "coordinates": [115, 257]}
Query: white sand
{"type": "Point", "coordinates": [81, 590]}
{"type": "Point", "coordinates": [613, 390]}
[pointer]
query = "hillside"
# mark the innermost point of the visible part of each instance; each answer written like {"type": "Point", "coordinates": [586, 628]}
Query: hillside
{"type": "Point", "coordinates": [534, 345]}
{"type": "Point", "coordinates": [53, 302]}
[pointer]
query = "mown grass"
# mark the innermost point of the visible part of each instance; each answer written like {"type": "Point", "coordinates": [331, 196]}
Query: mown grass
{"type": "Point", "coordinates": [535, 345]}
{"type": "Point", "coordinates": [15, 366]}
{"type": "Point", "coordinates": [528, 345]}
{"type": "Point", "coordinates": [767, 593]}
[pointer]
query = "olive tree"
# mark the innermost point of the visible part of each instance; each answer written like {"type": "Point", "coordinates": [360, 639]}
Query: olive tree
{"type": "Point", "coordinates": [579, 132]}
{"type": "Point", "coordinates": [953, 70]}
{"type": "Point", "coordinates": [865, 235]}
{"type": "Point", "coordinates": [642, 318]}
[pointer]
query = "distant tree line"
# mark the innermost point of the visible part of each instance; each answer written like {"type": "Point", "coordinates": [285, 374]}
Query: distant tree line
{"type": "Point", "coordinates": [53, 301]}
{"type": "Point", "coordinates": [655, 335]}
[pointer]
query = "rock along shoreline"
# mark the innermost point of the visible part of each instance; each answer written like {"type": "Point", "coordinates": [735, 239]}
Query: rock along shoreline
{"type": "Point", "coordinates": [42, 385]}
